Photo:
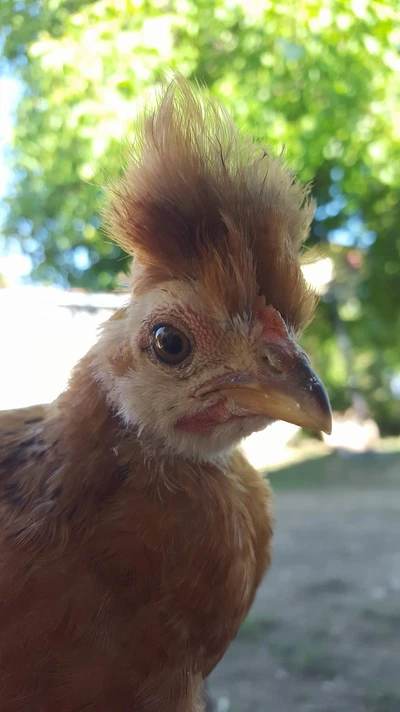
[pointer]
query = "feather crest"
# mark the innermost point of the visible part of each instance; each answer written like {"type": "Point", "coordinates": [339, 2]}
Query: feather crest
{"type": "Point", "coordinates": [200, 201]}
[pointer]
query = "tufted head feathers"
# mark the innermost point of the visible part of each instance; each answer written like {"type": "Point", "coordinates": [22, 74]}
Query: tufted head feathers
{"type": "Point", "coordinates": [200, 202]}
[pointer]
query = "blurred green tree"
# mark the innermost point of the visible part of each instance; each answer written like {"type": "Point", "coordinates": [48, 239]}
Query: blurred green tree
{"type": "Point", "coordinates": [318, 76]}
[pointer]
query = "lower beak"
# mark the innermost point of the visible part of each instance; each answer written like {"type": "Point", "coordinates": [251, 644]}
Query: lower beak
{"type": "Point", "coordinates": [295, 395]}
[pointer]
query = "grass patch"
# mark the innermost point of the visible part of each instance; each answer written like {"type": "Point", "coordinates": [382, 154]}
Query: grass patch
{"type": "Point", "coordinates": [390, 619]}
{"type": "Point", "coordinates": [380, 624]}
{"type": "Point", "coordinates": [374, 469]}
{"type": "Point", "coordinates": [309, 659]}
{"type": "Point", "coordinates": [321, 588]}
{"type": "Point", "coordinates": [257, 629]}
{"type": "Point", "coordinates": [383, 701]}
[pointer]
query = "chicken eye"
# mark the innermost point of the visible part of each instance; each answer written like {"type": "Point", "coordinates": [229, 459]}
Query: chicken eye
{"type": "Point", "coordinates": [171, 345]}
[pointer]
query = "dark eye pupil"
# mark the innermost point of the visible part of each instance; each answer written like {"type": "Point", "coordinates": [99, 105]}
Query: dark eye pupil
{"type": "Point", "coordinates": [171, 343]}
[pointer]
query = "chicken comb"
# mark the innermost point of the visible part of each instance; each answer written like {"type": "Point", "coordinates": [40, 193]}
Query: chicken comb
{"type": "Point", "coordinates": [198, 200]}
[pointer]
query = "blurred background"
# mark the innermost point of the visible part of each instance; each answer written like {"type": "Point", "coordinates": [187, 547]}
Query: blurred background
{"type": "Point", "coordinates": [320, 77]}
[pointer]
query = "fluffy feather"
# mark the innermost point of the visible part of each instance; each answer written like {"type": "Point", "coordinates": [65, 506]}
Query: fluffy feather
{"type": "Point", "coordinates": [122, 579]}
{"type": "Point", "coordinates": [199, 201]}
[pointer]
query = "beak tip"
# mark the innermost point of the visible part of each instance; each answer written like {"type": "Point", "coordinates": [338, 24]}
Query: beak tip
{"type": "Point", "coordinates": [325, 410]}
{"type": "Point", "coordinates": [298, 397]}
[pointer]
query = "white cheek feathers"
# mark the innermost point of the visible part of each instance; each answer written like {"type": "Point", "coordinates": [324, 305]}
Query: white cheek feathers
{"type": "Point", "coordinates": [149, 398]}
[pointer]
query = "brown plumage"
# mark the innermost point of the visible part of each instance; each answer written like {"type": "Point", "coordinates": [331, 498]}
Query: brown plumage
{"type": "Point", "coordinates": [231, 213]}
{"type": "Point", "coordinates": [133, 534]}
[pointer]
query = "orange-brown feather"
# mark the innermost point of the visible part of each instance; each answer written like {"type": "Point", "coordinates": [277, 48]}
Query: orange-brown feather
{"type": "Point", "coordinates": [198, 200]}
{"type": "Point", "coordinates": [121, 585]}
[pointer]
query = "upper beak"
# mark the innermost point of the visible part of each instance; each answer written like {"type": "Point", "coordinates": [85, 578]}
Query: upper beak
{"type": "Point", "coordinates": [292, 393]}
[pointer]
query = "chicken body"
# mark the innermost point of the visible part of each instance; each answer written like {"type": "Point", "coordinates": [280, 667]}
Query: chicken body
{"type": "Point", "coordinates": [120, 587]}
{"type": "Point", "coordinates": [133, 533]}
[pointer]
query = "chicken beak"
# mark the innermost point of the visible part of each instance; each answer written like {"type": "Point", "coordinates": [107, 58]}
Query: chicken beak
{"type": "Point", "coordinates": [294, 393]}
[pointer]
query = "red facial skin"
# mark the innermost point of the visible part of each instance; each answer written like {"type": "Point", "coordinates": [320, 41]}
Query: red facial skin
{"type": "Point", "coordinates": [273, 330]}
{"type": "Point", "coordinates": [206, 420]}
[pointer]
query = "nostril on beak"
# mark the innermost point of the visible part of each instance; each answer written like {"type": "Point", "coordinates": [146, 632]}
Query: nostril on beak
{"type": "Point", "coordinates": [276, 360]}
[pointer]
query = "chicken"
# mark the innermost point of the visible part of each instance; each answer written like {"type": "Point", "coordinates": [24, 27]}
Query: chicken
{"type": "Point", "coordinates": [134, 532]}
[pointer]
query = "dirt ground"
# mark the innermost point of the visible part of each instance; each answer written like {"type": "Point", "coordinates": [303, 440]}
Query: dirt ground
{"type": "Point", "coordinates": [324, 632]}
